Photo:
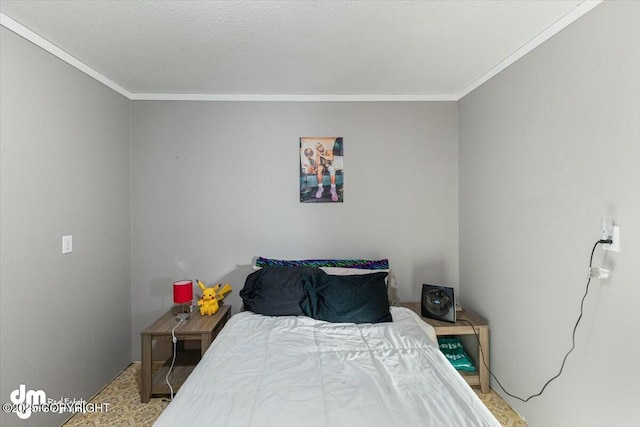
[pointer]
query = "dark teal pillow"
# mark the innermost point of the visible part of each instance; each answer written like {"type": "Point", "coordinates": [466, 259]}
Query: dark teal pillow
{"type": "Point", "coordinates": [358, 298]}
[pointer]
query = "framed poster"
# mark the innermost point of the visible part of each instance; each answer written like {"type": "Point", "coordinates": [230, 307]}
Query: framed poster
{"type": "Point", "coordinates": [321, 170]}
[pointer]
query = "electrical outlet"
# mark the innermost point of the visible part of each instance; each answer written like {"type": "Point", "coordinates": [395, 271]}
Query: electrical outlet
{"type": "Point", "coordinates": [615, 237]}
{"type": "Point", "coordinates": [606, 227]}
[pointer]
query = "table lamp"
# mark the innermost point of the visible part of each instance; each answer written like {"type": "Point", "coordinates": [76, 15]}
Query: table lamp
{"type": "Point", "coordinates": [183, 294]}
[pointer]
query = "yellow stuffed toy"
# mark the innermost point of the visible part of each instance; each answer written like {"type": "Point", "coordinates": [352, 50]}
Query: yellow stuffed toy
{"type": "Point", "coordinates": [210, 296]}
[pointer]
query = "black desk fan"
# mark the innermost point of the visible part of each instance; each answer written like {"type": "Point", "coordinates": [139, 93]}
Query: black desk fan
{"type": "Point", "coordinates": [438, 302]}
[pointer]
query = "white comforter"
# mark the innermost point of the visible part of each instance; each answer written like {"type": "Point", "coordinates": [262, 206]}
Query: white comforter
{"type": "Point", "coordinates": [300, 372]}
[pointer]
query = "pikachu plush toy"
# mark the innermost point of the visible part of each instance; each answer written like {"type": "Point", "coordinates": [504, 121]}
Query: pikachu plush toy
{"type": "Point", "coordinates": [211, 296]}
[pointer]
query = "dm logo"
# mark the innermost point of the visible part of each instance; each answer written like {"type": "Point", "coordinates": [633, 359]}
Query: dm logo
{"type": "Point", "coordinates": [25, 400]}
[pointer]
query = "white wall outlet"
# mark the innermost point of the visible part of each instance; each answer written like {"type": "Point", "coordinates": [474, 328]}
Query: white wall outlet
{"type": "Point", "coordinates": [606, 227]}
{"type": "Point", "coordinates": [67, 244]}
{"type": "Point", "coordinates": [615, 237]}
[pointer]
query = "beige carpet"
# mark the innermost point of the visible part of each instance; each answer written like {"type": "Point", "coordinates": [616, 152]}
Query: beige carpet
{"type": "Point", "coordinates": [125, 409]}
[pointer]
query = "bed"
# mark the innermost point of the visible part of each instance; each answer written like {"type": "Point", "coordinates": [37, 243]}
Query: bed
{"type": "Point", "coordinates": [305, 370]}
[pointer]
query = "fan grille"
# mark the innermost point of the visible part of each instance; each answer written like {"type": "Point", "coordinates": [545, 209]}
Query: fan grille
{"type": "Point", "coordinates": [437, 302]}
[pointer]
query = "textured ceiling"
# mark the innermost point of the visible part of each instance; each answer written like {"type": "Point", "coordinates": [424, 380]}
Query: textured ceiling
{"type": "Point", "coordinates": [419, 48]}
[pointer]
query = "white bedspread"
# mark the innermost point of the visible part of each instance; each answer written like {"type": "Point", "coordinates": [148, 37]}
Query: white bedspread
{"type": "Point", "coordinates": [300, 372]}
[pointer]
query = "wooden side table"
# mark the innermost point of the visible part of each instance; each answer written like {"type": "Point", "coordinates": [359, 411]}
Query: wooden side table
{"type": "Point", "coordinates": [461, 327]}
{"type": "Point", "coordinates": [197, 328]}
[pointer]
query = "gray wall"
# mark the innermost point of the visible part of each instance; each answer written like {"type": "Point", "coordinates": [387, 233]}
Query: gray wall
{"type": "Point", "coordinates": [65, 159]}
{"type": "Point", "coordinates": [215, 184]}
{"type": "Point", "coordinates": [546, 148]}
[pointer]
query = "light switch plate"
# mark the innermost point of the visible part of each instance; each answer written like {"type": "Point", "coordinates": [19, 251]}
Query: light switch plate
{"type": "Point", "coordinates": [67, 244]}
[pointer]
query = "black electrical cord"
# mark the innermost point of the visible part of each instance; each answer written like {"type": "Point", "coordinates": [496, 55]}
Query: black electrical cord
{"type": "Point", "coordinates": [573, 337]}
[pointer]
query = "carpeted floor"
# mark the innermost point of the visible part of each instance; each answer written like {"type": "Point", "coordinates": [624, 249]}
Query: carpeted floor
{"type": "Point", "coordinates": [125, 409]}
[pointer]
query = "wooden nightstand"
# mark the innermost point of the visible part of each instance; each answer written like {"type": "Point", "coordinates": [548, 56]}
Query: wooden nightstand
{"type": "Point", "coordinates": [463, 328]}
{"type": "Point", "coordinates": [197, 328]}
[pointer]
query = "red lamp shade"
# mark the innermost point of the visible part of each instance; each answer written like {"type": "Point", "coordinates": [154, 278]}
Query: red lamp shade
{"type": "Point", "coordinates": [182, 291]}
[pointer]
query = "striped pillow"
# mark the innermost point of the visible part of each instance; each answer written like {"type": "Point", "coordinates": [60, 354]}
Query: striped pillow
{"type": "Point", "coordinates": [364, 264]}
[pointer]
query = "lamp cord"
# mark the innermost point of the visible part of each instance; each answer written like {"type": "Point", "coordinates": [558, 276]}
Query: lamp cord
{"type": "Point", "coordinates": [173, 360]}
{"type": "Point", "coordinates": [573, 338]}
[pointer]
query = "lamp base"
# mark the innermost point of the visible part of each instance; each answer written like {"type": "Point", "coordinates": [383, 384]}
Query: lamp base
{"type": "Point", "coordinates": [182, 316]}
{"type": "Point", "coordinates": [182, 312]}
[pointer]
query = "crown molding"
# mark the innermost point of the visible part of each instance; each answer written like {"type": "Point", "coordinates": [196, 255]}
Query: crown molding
{"type": "Point", "coordinates": [41, 42]}
{"type": "Point", "coordinates": [288, 98]}
{"type": "Point", "coordinates": [552, 30]}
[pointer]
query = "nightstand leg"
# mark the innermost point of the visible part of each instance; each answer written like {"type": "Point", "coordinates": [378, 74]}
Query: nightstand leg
{"type": "Point", "coordinates": [145, 393]}
{"type": "Point", "coordinates": [483, 368]}
{"type": "Point", "coordinates": [205, 342]}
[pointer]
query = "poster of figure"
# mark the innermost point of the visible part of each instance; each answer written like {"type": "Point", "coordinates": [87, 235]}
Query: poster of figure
{"type": "Point", "coordinates": [321, 170]}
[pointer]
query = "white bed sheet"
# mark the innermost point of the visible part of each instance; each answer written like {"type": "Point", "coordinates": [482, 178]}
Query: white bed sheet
{"type": "Point", "coordinates": [296, 371]}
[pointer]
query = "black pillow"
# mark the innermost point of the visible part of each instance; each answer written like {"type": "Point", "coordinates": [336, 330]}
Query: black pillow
{"type": "Point", "coordinates": [276, 291]}
{"type": "Point", "coordinates": [358, 298]}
